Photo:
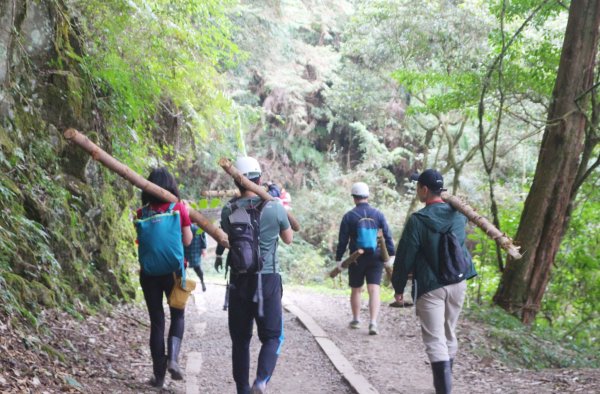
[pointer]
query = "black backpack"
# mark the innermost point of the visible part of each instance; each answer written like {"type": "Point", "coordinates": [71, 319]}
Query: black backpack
{"type": "Point", "coordinates": [453, 264]}
{"type": "Point", "coordinates": [244, 239]}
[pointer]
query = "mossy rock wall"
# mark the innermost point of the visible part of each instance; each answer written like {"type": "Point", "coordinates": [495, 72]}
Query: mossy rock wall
{"type": "Point", "coordinates": [65, 227]}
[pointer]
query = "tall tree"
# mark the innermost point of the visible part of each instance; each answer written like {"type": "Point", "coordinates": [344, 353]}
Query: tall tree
{"type": "Point", "coordinates": [546, 209]}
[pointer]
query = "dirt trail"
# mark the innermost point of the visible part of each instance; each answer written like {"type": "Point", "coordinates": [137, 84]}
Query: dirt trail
{"type": "Point", "coordinates": [395, 360]}
{"type": "Point", "coordinates": [109, 353]}
{"type": "Point", "coordinates": [302, 367]}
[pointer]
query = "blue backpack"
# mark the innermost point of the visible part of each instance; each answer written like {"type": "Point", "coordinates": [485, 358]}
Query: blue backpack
{"type": "Point", "coordinates": [366, 232]}
{"type": "Point", "coordinates": [160, 249]}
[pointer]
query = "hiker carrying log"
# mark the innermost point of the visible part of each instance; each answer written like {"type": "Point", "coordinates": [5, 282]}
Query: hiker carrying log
{"type": "Point", "coordinates": [359, 228]}
{"type": "Point", "coordinates": [195, 252]}
{"type": "Point", "coordinates": [137, 180]}
{"type": "Point", "coordinates": [432, 247]}
{"type": "Point", "coordinates": [254, 223]}
{"type": "Point", "coordinates": [163, 229]}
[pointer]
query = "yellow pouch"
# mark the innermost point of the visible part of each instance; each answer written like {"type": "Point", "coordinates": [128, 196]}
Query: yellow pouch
{"type": "Point", "coordinates": [179, 296]}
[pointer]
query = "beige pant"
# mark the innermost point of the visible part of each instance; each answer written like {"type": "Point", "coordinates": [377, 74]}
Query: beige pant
{"type": "Point", "coordinates": [438, 311]}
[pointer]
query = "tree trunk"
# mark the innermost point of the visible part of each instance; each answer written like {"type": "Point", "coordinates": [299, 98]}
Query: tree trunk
{"type": "Point", "coordinates": [540, 231]}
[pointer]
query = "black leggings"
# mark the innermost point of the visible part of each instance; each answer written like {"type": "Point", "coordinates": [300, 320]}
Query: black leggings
{"type": "Point", "coordinates": [154, 287]}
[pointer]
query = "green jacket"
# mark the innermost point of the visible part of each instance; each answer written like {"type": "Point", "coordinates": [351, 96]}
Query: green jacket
{"type": "Point", "coordinates": [417, 250]}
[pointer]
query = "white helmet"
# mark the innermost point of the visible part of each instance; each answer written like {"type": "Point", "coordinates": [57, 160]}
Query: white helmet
{"type": "Point", "coordinates": [360, 189]}
{"type": "Point", "coordinates": [248, 166]}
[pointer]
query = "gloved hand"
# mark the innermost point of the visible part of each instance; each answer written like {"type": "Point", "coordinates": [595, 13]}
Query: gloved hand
{"type": "Point", "coordinates": [390, 262]}
{"type": "Point", "coordinates": [218, 263]}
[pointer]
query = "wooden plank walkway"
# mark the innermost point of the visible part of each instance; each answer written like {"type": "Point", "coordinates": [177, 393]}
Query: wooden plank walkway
{"type": "Point", "coordinates": [358, 382]}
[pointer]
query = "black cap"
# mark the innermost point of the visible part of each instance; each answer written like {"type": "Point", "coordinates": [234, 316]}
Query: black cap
{"type": "Point", "coordinates": [430, 178]}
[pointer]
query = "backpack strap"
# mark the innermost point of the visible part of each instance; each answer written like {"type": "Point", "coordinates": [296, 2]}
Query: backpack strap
{"type": "Point", "coordinates": [260, 207]}
{"type": "Point", "coordinates": [181, 263]}
{"type": "Point", "coordinates": [365, 216]}
{"type": "Point", "coordinates": [147, 211]}
{"type": "Point", "coordinates": [232, 204]}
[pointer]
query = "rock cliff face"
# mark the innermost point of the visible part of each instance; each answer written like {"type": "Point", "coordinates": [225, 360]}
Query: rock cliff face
{"type": "Point", "coordinates": [65, 232]}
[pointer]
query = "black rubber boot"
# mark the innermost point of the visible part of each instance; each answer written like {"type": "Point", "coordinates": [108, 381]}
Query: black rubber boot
{"type": "Point", "coordinates": [442, 377]}
{"type": "Point", "coordinates": [159, 367]}
{"type": "Point", "coordinates": [174, 344]}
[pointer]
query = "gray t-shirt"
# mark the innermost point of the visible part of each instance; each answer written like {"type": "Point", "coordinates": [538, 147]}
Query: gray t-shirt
{"type": "Point", "coordinates": [273, 220]}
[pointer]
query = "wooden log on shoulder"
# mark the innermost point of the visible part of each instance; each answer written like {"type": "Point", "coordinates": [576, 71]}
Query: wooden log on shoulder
{"type": "Point", "coordinates": [346, 263]}
{"type": "Point", "coordinates": [220, 193]}
{"type": "Point", "coordinates": [237, 176]}
{"type": "Point", "coordinates": [127, 173]}
{"type": "Point", "coordinates": [488, 228]}
{"type": "Point", "coordinates": [385, 256]}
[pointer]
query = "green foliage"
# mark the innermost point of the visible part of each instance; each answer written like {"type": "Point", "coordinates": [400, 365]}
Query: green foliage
{"type": "Point", "coordinates": [375, 154]}
{"type": "Point", "coordinates": [505, 338]}
{"type": "Point", "coordinates": [301, 263]}
{"type": "Point", "coordinates": [482, 288]}
{"type": "Point", "coordinates": [570, 303]}
{"type": "Point", "coordinates": [569, 313]}
{"type": "Point", "coordinates": [147, 58]}
{"type": "Point", "coordinates": [450, 91]}
{"type": "Point", "coordinates": [517, 11]}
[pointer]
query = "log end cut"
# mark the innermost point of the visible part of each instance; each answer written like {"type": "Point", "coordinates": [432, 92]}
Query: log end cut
{"type": "Point", "coordinates": [70, 133]}
{"type": "Point", "coordinates": [225, 163]}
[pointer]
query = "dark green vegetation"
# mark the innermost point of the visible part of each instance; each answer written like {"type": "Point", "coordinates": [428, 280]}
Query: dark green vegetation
{"type": "Point", "coordinates": [324, 92]}
{"type": "Point", "coordinates": [65, 230]}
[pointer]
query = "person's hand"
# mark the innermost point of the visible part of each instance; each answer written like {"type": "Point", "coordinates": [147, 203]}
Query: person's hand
{"type": "Point", "coordinates": [218, 263]}
{"type": "Point", "coordinates": [390, 262]}
{"type": "Point", "coordinates": [399, 298]}
{"type": "Point", "coordinates": [203, 253]}
{"type": "Point", "coordinates": [338, 264]}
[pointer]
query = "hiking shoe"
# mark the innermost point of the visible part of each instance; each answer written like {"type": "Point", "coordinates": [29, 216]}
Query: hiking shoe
{"type": "Point", "coordinates": [259, 388]}
{"type": "Point", "coordinates": [373, 330]}
{"type": "Point", "coordinates": [355, 324]}
{"type": "Point", "coordinates": [156, 382]}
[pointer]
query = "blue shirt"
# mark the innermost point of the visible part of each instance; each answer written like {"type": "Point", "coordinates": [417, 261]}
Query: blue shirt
{"type": "Point", "coordinates": [349, 225]}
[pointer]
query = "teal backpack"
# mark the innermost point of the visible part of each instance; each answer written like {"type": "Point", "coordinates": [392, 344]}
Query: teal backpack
{"type": "Point", "coordinates": [366, 232]}
{"type": "Point", "coordinates": [160, 249]}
